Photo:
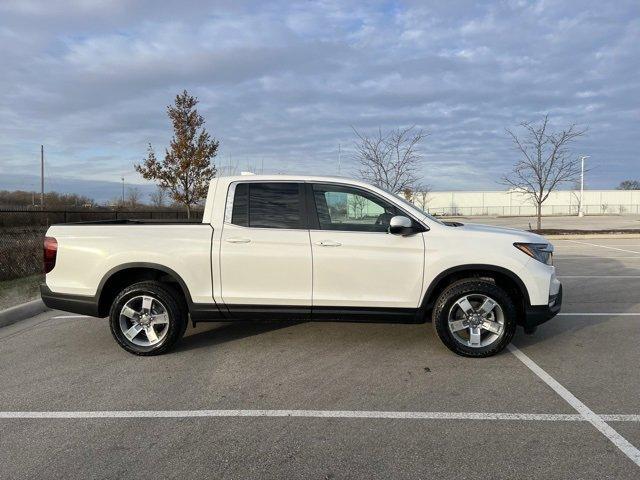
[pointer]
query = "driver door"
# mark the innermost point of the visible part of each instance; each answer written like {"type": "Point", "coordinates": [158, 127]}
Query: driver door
{"type": "Point", "coordinates": [356, 262]}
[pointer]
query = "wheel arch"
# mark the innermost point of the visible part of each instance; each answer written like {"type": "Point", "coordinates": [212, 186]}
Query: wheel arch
{"type": "Point", "coordinates": [502, 276]}
{"type": "Point", "coordinates": [129, 273]}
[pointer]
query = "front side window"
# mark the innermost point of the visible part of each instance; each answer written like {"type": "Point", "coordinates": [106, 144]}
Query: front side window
{"type": "Point", "coordinates": [350, 209]}
{"type": "Point", "coordinates": [267, 205]}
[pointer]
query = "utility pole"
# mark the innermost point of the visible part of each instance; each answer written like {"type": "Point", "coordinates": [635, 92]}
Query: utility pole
{"type": "Point", "coordinates": [41, 177]}
{"type": "Point", "coordinates": [339, 157]}
{"type": "Point", "coordinates": [123, 191]}
{"type": "Point", "coordinates": [581, 209]}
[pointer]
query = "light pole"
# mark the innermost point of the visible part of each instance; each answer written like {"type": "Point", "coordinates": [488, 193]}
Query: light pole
{"type": "Point", "coordinates": [41, 177]}
{"type": "Point", "coordinates": [580, 208]}
{"type": "Point", "coordinates": [123, 191]}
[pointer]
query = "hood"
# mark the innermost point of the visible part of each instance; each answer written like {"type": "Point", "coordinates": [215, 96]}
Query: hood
{"type": "Point", "coordinates": [514, 233]}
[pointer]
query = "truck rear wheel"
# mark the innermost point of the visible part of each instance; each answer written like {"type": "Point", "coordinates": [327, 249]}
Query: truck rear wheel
{"type": "Point", "coordinates": [148, 318]}
{"type": "Point", "coordinates": [475, 318]}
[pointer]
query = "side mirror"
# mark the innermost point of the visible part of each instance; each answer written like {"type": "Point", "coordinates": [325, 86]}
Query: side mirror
{"type": "Point", "coordinates": [400, 225]}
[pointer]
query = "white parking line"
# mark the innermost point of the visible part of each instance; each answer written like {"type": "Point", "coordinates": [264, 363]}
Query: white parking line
{"type": "Point", "coordinates": [589, 257]}
{"type": "Point", "coordinates": [545, 417]}
{"type": "Point", "coordinates": [599, 314]}
{"type": "Point", "coordinates": [620, 418]}
{"type": "Point", "coordinates": [598, 276]}
{"type": "Point", "coordinates": [635, 245]}
{"type": "Point", "coordinates": [69, 316]}
{"type": "Point", "coordinates": [604, 246]}
{"type": "Point", "coordinates": [589, 415]}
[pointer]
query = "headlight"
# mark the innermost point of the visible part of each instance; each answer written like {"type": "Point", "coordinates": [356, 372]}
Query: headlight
{"type": "Point", "coordinates": [543, 252]}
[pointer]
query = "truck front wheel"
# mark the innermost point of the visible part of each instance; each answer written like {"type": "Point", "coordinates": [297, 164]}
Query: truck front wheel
{"type": "Point", "coordinates": [475, 317]}
{"type": "Point", "coordinates": [147, 318]}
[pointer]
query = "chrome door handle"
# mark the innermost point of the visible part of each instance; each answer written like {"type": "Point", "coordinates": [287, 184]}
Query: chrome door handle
{"type": "Point", "coordinates": [328, 243]}
{"type": "Point", "coordinates": [238, 240]}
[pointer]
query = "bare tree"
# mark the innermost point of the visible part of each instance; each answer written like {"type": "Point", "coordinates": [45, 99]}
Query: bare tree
{"type": "Point", "coordinates": [390, 160]}
{"type": "Point", "coordinates": [421, 195]}
{"type": "Point", "coordinates": [629, 185]}
{"type": "Point", "coordinates": [545, 161]}
{"type": "Point", "coordinates": [20, 198]}
{"type": "Point", "coordinates": [159, 197]}
{"type": "Point", "coordinates": [575, 195]}
{"type": "Point", "coordinates": [186, 169]}
{"type": "Point", "coordinates": [358, 204]}
{"type": "Point", "coordinates": [133, 197]}
{"type": "Point", "coordinates": [115, 202]}
{"type": "Point", "coordinates": [229, 167]}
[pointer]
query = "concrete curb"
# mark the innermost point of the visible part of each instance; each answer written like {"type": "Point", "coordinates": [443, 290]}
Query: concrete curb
{"type": "Point", "coordinates": [21, 312]}
{"type": "Point", "coordinates": [593, 236]}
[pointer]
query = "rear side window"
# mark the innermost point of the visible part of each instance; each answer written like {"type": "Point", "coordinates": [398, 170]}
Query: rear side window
{"type": "Point", "coordinates": [240, 213]}
{"type": "Point", "coordinates": [268, 205]}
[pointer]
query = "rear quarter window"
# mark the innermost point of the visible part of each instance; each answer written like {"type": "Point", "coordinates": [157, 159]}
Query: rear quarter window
{"type": "Point", "coordinates": [268, 205]}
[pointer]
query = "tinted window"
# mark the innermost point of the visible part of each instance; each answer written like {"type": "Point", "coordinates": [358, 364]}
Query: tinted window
{"type": "Point", "coordinates": [344, 208]}
{"type": "Point", "coordinates": [268, 205]}
{"type": "Point", "coordinates": [240, 213]}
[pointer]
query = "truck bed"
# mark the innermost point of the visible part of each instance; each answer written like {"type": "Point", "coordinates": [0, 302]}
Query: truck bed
{"type": "Point", "coordinates": [88, 251]}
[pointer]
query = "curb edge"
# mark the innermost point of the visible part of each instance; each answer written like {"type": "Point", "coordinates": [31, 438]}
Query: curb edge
{"type": "Point", "coordinates": [22, 312]}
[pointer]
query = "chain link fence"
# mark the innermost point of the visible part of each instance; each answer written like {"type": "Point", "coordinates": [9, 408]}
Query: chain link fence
{"type": "Point", "coordinates": [22, 233]}
{"type": "Point", "coordinates": [20, 251]}
{"type": "Point", "coordinates": [530, 211]}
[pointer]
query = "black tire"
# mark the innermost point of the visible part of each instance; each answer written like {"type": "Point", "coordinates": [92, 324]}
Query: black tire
{"type": "Point", "coordinates": [175, 308]}
{"type": "Point", "coordinates": [471, 286]}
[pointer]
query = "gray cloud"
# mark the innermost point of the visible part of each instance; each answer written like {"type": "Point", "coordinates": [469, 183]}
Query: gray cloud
{"type": "Point", "coordinates": [283, 83]}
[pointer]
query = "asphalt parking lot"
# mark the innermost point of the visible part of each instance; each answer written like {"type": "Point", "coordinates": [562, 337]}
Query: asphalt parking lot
{"type": "Point", "coordinates": [570, 222]}
{"type": "Point", "coordinates": [330, 400]}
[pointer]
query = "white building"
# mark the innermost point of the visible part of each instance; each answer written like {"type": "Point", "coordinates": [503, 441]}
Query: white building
{"type": "Point", "coordinates": [565, 202]}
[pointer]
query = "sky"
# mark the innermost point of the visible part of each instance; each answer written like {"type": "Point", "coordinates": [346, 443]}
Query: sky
{"type": "Point", "coordinates": [282, 84]}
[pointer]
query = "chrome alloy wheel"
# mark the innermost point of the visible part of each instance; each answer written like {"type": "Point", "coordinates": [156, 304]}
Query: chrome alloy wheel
{"type": "Point", "coordinates": [144, 321]}
{"type": "Point", "coordinates": [476, 320]}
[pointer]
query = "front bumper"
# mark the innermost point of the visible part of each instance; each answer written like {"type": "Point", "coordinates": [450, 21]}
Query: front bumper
{"type": "Point", "coordinates": [537, 314]}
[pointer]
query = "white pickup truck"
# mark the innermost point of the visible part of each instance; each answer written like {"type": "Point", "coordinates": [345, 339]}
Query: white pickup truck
{"type": "Point", "coordinates": [302, 247]}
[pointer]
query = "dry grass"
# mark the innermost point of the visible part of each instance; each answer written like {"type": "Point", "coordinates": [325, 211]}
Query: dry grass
{"type": "Point", "coordinates": [19, 290]}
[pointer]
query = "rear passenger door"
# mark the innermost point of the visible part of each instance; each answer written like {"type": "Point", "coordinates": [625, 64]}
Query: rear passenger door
{"type": "Point", "coordinates": [265, 251]}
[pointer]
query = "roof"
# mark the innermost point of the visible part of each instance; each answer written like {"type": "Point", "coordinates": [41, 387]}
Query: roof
{"type": "Point", "coordinates": [297, 178]}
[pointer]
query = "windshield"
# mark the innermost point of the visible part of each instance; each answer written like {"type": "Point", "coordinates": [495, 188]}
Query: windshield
{"type": "Point", "coordinates": [415, 207]}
